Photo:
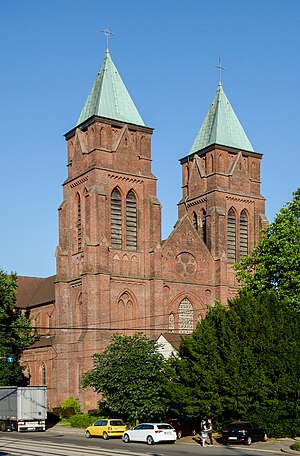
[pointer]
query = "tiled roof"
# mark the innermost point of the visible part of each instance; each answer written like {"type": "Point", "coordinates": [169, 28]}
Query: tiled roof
{"type": "Point", "coordinates": [221, 126]}
{"type": "Point", "coordinates": [34, 291]}
{"type": "Point", "coordinates": [109, 97]}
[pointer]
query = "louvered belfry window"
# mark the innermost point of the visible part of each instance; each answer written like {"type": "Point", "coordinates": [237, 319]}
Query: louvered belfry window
{"type": "Point", "coordinates": [116, 219]}
{"type": "Point", "coordinates": [131, 221]}
{"type": "Point", "coordinates": [243, 234]}
{"type": "Point", "coordinates": [231, 236]}
{"type": "Point", "coordinates": [79, 231]}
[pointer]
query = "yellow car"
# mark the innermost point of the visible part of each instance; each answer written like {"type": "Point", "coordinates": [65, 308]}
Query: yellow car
{"type": "Point", "coordinates": [106, 428]}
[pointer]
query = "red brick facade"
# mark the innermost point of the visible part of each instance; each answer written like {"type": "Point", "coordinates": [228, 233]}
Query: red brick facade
{"type": "Point", "coordinates": [143, 284]}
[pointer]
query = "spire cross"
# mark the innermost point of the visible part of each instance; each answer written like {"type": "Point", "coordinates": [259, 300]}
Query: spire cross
{"type": "Point", "coordinates": [220, 68]}
{"type": "Point", "coordinates": [107, 33]}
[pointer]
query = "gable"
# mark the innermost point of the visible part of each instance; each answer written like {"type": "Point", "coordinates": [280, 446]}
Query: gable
{"type": "Point", "coordinates": [185, 255]}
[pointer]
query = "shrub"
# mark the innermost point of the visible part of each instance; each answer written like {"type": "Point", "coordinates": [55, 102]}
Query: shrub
{"type": "Point", "coordinates": [69, 407]}
{"type": "Point", "coordinates": [82, 420]}
{"type": "Point", "coordinates": [295, 446]}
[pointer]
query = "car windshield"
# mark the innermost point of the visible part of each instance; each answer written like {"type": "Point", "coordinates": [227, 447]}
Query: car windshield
{"type": "Point", "coordinates": [164, 426]}
{"type": "Point", "coordinates": [116, 423]}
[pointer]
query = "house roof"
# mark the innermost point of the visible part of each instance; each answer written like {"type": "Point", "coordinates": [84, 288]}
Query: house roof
{"type": "Point", "coordinates": [221, 126]}
{"type": "Point", "coordinates": [173, 338]}
{"type": "Point", "coordinates": [34, 291]}
{"type": "Point", "coordinates": [109, 97]}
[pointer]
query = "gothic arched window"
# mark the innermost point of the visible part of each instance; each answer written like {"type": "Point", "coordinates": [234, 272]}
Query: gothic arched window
{"type": "Point", "coordinates": [231, 236]}
{"type": "Point", "coordinates": [131, 221]}
{"type": "Point", "coordinates": [203, 226]}
{"type": "Point", "coordinates": [185, 317]}
{"type": "Point", "coordinates": [116, 219]}
{"type": "Point", "coordinates": [243, 234]}
{"type": "Point", "coordinates": [79, 226]}
{"type": "Point", "coordinates": [171, 323]}
{"type": "Point", "coordinates": [43, 374]}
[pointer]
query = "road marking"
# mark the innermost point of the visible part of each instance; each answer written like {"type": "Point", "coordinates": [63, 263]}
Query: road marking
{"type": "Point", "coordinates": [15, 447]}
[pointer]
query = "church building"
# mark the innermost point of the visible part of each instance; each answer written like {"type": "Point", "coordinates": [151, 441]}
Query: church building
{"type": "Point", "coordinates": [114, 272]}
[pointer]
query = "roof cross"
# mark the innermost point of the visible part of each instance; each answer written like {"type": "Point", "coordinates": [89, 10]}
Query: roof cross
{"type": "Point", "coordinates": [220, 68]}
{"type": "Point", "coordinates": [107, 32]}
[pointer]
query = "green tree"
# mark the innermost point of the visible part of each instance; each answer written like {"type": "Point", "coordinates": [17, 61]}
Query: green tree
{"type": "Point", "coordinates": [130, 376]}
{"type": "Point", "coordinates": [275, 262]}
{"type": "Point", "coordinates": [15, 331]}
{"type": "Point", "coordinates": [243, 363]}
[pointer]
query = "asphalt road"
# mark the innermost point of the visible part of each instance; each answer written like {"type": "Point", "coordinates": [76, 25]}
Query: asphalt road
{"type": "Point", "coordinates": [61, 441]}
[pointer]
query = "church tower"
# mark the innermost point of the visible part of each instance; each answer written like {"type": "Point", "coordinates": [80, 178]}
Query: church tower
{"type": "Point", "coordinates": [109, 221]}
{"type": "Point", "coordinates": [221, 191]}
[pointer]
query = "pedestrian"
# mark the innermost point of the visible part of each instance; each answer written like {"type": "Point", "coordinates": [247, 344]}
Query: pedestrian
{"type": "Point", "coordinates": [203, 432]}
{"type": "Point", "coordinates": [209, 431]}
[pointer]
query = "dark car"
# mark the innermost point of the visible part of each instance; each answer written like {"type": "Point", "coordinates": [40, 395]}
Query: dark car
{"type": "Point", "coordinates": [243, 432]}
{"type": "Point", "coordinates": [182, 426]}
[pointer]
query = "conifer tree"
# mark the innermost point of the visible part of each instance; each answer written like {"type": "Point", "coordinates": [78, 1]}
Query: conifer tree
{"type": "Point", "coordinates": [242, 363]}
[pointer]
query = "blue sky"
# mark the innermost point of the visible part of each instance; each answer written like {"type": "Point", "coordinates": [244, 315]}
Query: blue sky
{"type": "Point", "coordinates": [166, 52]}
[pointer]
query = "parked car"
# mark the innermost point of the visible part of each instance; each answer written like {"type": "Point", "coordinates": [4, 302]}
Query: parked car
{"type": "Point", "coordinates": [106, 428]}
{"type": "Point", "coordinates": [243, 432]}
{"type": "Point", "coordinates": [182, 426]}
{"type": "Point", "coordinates": [151, 433]}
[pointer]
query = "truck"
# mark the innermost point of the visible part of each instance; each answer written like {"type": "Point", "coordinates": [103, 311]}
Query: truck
{"type": "Point", "coordinates": [23, 408]}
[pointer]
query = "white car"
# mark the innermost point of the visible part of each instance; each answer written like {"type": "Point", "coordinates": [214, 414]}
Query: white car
{"type": "Point", "coordinates": [150, 433]}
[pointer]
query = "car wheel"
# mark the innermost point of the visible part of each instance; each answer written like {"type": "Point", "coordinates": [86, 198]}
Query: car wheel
{"type": "Point", "coordinates": [88, 434]}
{"type": "Point", "coordinates": [150, 440]}
{"type": "Point", "coordinates": [105, 435]}
{"type": "Point", "coordinates": [265, 437]}
{"type": "Point", "coordinates": [248, 440]}
{"type": "Point", "coordinates": [126, 438]}
{"type": "Point", "coordinates": [179, 434]}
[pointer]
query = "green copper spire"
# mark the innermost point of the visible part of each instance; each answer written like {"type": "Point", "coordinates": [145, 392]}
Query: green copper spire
{"type": "Point", "coordinates": [109, 97]}
{"type": "Point", "coordinates": [221, 126]}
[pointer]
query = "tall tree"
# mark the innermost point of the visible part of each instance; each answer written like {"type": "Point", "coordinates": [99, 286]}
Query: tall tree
{"type": "Point", "coordinates": [15, 332]}
{"type": "Point", "coordinates": [275, 262]}
{"type": "Point", "coordinates": [130, 376]}
{"type": "Point", "coordinates": [243, 363]}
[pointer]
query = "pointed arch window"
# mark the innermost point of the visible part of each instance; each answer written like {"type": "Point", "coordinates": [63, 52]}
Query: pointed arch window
{"type": "Point", "coordinates": [243, 234]}
{"type": "Point", "coordinates": [185, 317]}
{"type": "Point", "coordinates": [79, 226]}
{"type": "Point", "coordinates": [43, 374]}
{"type": "Point", "coordinates": [231, 236]}
{"type": "Point", "coordinates": [131, 221]}
{"type": "Point", "coordinates": [171, 323]}
{"type": "Point", "coordinates": [203, 226]}
{"type": "Point", "coordinates": [116, 219]}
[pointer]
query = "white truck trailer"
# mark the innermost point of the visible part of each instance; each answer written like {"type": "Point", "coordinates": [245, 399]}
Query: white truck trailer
{"type": "Point", "coordinates": [23, 408]}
